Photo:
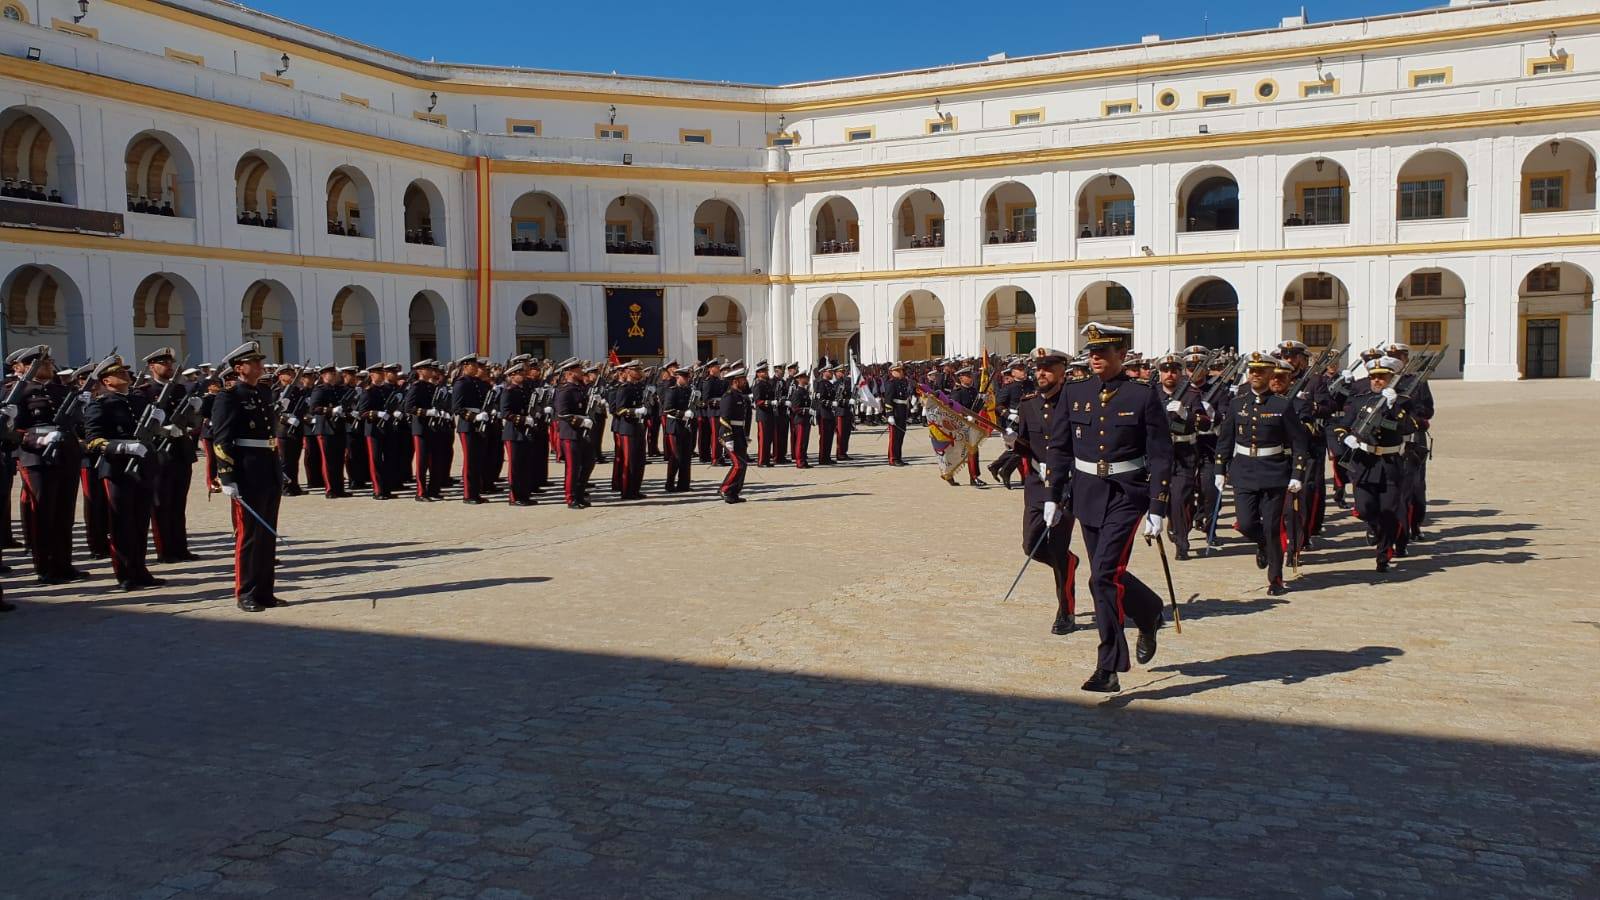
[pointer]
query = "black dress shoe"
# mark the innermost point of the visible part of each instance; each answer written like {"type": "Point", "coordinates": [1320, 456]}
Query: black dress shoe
{"type": "Point", "coordinates": [1102, 682]}
{"type": "Point", "coordinates": [251, 606]}
{"type": "Point", "coordinates": [1145, 650]}
{"type": "Point", "coordinates": [422, 498]}
{"type": "Point", "coordinates": [978, 482]}
{"type": "Point", "coordinates": [576, 505]}
{"type": "Point", "coordinates": [1063, 624]}
{"type": "Point", "coordinates": [1261, 559]}
{"type": "Point", "coordinates": [732, 499]}
{"type": "Point", "coordinates": [1180, 554]}
{"type": "Point", "coordinates": [1383, 565]}
{"type": "Point", "coordinates": [902, 463]}
{"type": "Point", "coordinates": [475, 501]}
{"type": "Point", "coordinates": [76, 575]}
{"type": "Point", "coordinates": [275, 601]}
{"type": "Point", "coordinates": [1400, 552]}
{"type": "Point", "coordinates": [187, 557]}
{"type": "Point", "coordinates": [524, 503]}
{"type": "Point", "coordinates": [1276, 589]}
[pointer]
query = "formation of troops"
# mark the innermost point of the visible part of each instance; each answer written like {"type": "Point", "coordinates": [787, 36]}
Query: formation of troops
{"type": "Point", "coordinates": [1107, 443]}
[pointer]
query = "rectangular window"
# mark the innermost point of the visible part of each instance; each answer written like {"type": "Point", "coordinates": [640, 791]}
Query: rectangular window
{"type": "Point", "coordinates": [1425, 334]}
{"type": "Point", "coordinates": [693, 136]}
{"type": "Point", "coordinates": [618, 232]}
{"type": "Point", "coordinates": [1422, 199]}
{"type": "Point", "coordinates": [859, 134]}
{"type": "Point", "coordinates": [527, 230]}
{"type": "Point", "coordinates": [610, 132]}
{"type": "Point", "coordinates": [943, 125]}
{"type": "Point", "coordinates": [782, 140]}
{"type": "Point", "coordinates": [1427, 284]}
{"type": "Point", "coordinates": [1547, 192]}
{"type": "Point", "coordinates": [435, 118]}
{"type": "Point", "coordinates": [1317, 287]}
{"type": "Point", "coordinates": [1023, 220]}
{"type": "Point", "coordinates": [1116, 218]}
{"type": "Point", "coordinates": [1545, 280]}
{"type": "Point", "coordinates": [1117, 107]}
{"type": "Point", "coordinates": [1550, 65]}
{"type": "Point", "coordinates": [1023, 341]}
{"type": "Point", "coordinates": [1027, 116]}
{"type": "Point", "coordinates": [1322, 206]}
{"type": "Point", "coordinates": [1316, 334]}
{"type": "Point", "coordinates": [192, 59]}
{"type": "Point", "coordinates": [531, 127]}
{"type": "Point", "coordinates": [936, 344]}
{"type": "Point", "coordinates": [1431, 77]}
{"type": "Point", "coordinates": [1320, 88]}
{"type": "Point", "coordinates": [1217, 98]}
{"type": "Point", "coordinates": [1118, 299]}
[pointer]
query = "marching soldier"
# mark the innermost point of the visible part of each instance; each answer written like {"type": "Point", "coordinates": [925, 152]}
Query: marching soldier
{"type": "Point", "coordinates": [710, 398]}
{"type": "Point", "coordinates": [1109, 460]}
{"type": "Point", "coordinates": [1187, 417]}
{"type": "Point", "coordinates": [1375, 459]}
{"type": "Point", "coordinates": [49, 463]}
{"type": "Point", "coordinates": [316, 480]}
{"type": "Point", "coordinates": [678, 423]}
{"type": "Point", "coordinates": [1007, 399]}
{"type": "Point", "coordinates": [573, 421]}
{"type": "Point", "coordinates": [248, 473]}
{"type": "Point", "coordinates": [663, 382]}
{"type": "Point", "coordinates": [1046, 528]}
{"type": "Point", "coordinates": [733, 416]}
{"type": "Point", "coordinates": [800, 409]}
{"type": "Point", "coordinates": [1417, 451]}
{"type": "Point", "coordinates": [373, 408]}
{"type": "Point", "coordinates": [467, 398]}
{"type": "Point", "coordinates": [111, 424]}
{"type": "Point", "coordinates": [172, 470]}
{"type": "Point", "coordinates": [517, 432]}
{"type": "Point", "coordinates": [1262, 450]}
{"type": "Point", "coordinates": [1315, 404]}
{"type": "Point", "coordinates": [327, 409]}
{"type": "Point", "coordinates": [96, 513]}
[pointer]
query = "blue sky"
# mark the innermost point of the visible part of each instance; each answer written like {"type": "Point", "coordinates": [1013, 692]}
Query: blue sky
{"type": "Point", "coordinates": [767, 42]}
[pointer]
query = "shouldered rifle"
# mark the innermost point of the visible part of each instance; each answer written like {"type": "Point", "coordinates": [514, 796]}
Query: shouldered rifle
{"type": "Point", "coordinates": [15, 394]}
{"type": "Point", "coordinates": [151, 430]}
{"type": "Point", "coordinates": [1415, 373]}
{"type": "Point", "coordinates": [1224, 381]}
{"type": "Point", "coordinates": [1316, 365]}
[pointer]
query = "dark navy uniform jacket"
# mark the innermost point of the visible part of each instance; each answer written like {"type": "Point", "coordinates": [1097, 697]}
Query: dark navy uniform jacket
{"type": "Point", "coordinates": [572, 401]}
{"type": "Point", "coordinates": [467, 397]}
{"type": "Point", "coordinates": [897, 389]}
{"type": "Point", "coordinates": [112, 417]}
{"type": "Point", "coordinates": [764, 394]}
{"type": "Point", "coordinates": [512, 405]}
{"type": "Point", "coordinates": [37, 406]}
{"type": "Point", "coordinates": [241, 435]}
{"type": "Point", "coordinates": [674, 403]}
{"type": "Point", "coordinates": [1259, 423]}
{"type": "Point", "coordinates": [418, 403]}
{"type": "Point", "coordinates": [1374, 469]}
{"type": "Point", "coordinates": [628, 397]}
{"type": "Point", "coordinates": [733, 416]}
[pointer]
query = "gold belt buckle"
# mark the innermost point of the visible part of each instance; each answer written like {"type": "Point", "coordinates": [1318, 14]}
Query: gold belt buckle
{"type": "Point", "coordinates": [1103, 468]}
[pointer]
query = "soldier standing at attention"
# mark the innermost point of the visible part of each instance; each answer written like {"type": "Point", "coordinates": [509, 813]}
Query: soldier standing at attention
{"type": "Point", "coordinates": [110, 425]}
{"type": "Point", "coordinates": [1262, 450]}
{"type": "Point", "coordinates": [1031, 441]}
{"type": "Point", "coordinates": [822, 401]}
{"type": "Point", "coordinates": [247, 468]}
{"type": "Point", "coordinates": [764, 396]}
{"type": "Point", "coordinates": [628, 433]}
{"type": "Point", "coordinates": [783, 415]}
{"type": "Point", "coordinates": [897, 397]}
{"type": "Point", "coordinates": [573, 425]}
{"type": "Point", "coordinates": [800, 410]}
{"type": "Point", "coordinates": [678, 424]}
{"type": "Point", "coordinates": [374, 411]}
{"type": "Point", "coordinates": [418, 406]}
{"type": "Point", "coordinates": [516, 429]}
{"type": "Point", "coordinates": [1110, 461]}
{"type": "Point", "coordinates": [844, 411]}
{"type": "Point", "coordinates": [172, 471]}
{"type": "Point", "coordinates": [49, 463]}
{"type": "Point", "coordinates": [467, 397]}
{"type": "Point", "coordinates": [327, 429]}
{"type": "Point", "coordinates": [733, 416]}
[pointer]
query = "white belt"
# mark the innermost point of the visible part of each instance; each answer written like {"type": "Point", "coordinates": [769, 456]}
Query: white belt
{"type": "Point", "coordinates": [1381, 451]}
{"type": "Point", "coordinates": [903, 402]}
{"type": "Point", "coordinates": [1185, 438]}
{"type": "Point", "coordinates": [1258, 451]}
{"type": "Point", "coordinates": [1413, 438]}
{"type": "Point", "coordinates": [253, 444]}
{"type": "Point", "coordinates": [41, 430]}
{"type": "Point", "coordinates": [1104, 468]}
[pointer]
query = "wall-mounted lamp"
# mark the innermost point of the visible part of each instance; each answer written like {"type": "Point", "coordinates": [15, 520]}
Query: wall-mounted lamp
{"type": "Point", "coordinates": [1113, 180]}
{"type": "Point", "coordinates": [283, 62]}
{"type": "Point", "coordinates": [34, 54]}
{"type": "Point", "coordinates": [83, 11]}
{"type": "Point", "coordinates": [1320, 163]}
{"type": "Point", "coordinates": [1552, 43]}
{"type": "Point", "coordinates": [613, 112]}
{"type": "Point", "coordinates": [1147, 251]}
{"type": "Point", "coordinates": [433, 100]}
{"type": "Point", "coordinates": [942, 116]}
{"type": "Point", "coordinates": [1555, 147]}
{"type": "Point", "coordinates": [781, 119]}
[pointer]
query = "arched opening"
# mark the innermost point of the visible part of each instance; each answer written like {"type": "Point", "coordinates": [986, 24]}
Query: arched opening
{"type": "Point", "coordinates": [261, 191]}
{"type": "Point", "coordinates": [1430, 310]}
{"type": "Point", "coordinates": [271, 319]}
{"type": "Point", "coordinates": [424, 214]}
{"type": "Point", "coordinates": [160, 176]}
{"type": "Point", "coordinates": [1316, 192]}
{"type": "Point", "coordinates": [1010, 322]}
{"type": "Point", "coordinates": [1316, 311]}
{"type": "Point", "coordinates": [1555, 309]}
{"type": "Point", "coordinates": [717, 229]}
{"type": "Point", "coordinates": [719, 329]}
{"type": "Point", "coordinates": [1558, 176]}
{"type": "Point", "coordinates": [838, 327]}
{"type": "Point", "coordinates": [349, 202]}
{"type": "Point", "coordinates": [43, 306]}
{"type": "Point", "coordinates": [538, 223]}
{"type": "Point", "coordinates": [1106, 302]}
{"type": "Point", "coordinates": [1208, 314]}
{"type": "Point", "coordinates": [543, 327]}
{"type": "Point", "coordinates": [355, 327]}
{"type": "Point", "coordinates": [1208, 200]}
{"type": "Point", "coordinates": [1010, 215]}
{"type": "Point", "coordinates": [1432, 185]}
{"type": "Point", "coordinates": [1106, 207]}
{"type": "Point", "coordinates": [838, 227]}
{"type": "Point", "coordinates": [630, 226]}
{"type": "Point", "coordinates": [919, 326]}
{"type": "Point", "coordinates": [429, 326]}
{"type": "Point", "coordinates": [166, 313]}
{"type": "Point", "coordinates": [919, 221]}
{"type": "Point", "coordinates": [36, 161]}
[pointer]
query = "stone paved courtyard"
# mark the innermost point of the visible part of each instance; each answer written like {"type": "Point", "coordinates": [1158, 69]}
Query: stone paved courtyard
{"type": "Point", "coordinates": [820, 694]}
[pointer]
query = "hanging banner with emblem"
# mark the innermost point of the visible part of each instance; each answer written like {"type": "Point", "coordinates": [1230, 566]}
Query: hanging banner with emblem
{"type": "Point", "coordinates": [636, 321]}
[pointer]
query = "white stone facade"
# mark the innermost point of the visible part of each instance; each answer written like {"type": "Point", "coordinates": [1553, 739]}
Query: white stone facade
{"type": "Point", "coordinates": [1447, 156]}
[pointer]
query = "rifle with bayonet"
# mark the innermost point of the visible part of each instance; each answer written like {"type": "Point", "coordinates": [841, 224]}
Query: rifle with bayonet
{"type": "Point", "coordinates": [15, 394]}
{"type": "Point", "coordinates": [70, 413]}
{"type": "Point", "coordinates": [151, 429]}
{"type": "Point", "coordinates": [1418, 368]}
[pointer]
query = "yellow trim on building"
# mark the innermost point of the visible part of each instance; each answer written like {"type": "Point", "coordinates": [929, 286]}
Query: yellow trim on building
{"type": "Point", "coordinates": [278, 80]}
{"type": "Point", "coordinates": [73, 28]}
{"type": "Point", "coordinates": [793, 138]}
{"type": "Point", "coordinates": [193, 59]}
{"type": "Point", "coordinates": [1229, 98]}
{"type": "Point", "coordinates": [1131, 103]}
{"type": "Point", "coordinates": [945, 124]}
{"type": "Point", "coordinates": [431, 117]}
{"type": "Point", "coordinates": [1270, 95]}
{"type": "Point", "coordinates": [22, 12]}
{"type": "Point", "coordinates": [353, 100]}
{"type": "Point", "coordinates": [1561, 64]}
{"type": "Point", "coordinates": [1168, 92]}
{"type": "Point", "coordinates": [1527, 191]}
{"type": "Point", "coordinates": [867, 132]}
{"type": "Point", "coordinates": [1331, 83]}
{"type": "Point", "coordinates": [1018, 114]}
{"type": "Point", "coordinates": [601, 127]}
{"type": "Point", "coordinates": [1416, 75]}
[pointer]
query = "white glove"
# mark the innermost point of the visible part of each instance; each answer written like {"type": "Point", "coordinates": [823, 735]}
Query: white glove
{"type": "Point", "coordinates": [481, 417]}
{"type": "Point", "coordinates": [1294, 485]}
{"type": "Point", "coordinates": [1052, 513]}
{"type": "Point", "coordinates": [384, 414]}
{"type": "Point", "coordinates": [1154, 524]}
{"type": "Point", "coordinates": [586, 422]}
{"type": "Point", "coordinates": [132, 448]}
{"type": "Point", "coordinates": [1010, 438]}
{"type": "Point", "coordinates": [1174, 407]}
{"type": "Point", "coordinates": [1207, 407]}
{"type": "Point", "coordinates": [641, 411]}
{"type": "Point", "coordinates": [549, 411]}
{"type": "Point", "coordinates": [1234, 390]}
{"type": "Point", "coordinates": [1302, 395]}
{"type": "Point", "coordinates": [728, 445]}
{"type": "Point", "coordinates": [158, 415]}
{"type": "Point", "coordinates": [50, 438]}
{"type": "Point", "coordinates": [294, 421]}
{"type": "Point", "coordinates": [338, 410]}
{"type": "Point", "coordinates": [1219, 481]}
{"type": "Point", "coordinates": [231, 491]}
{"type": "Point", "coordinates": [173, 431]}
{"type": "Point", "coordinates": [1390, 396]}
{"type": "Point", "coordinates": [970, 419]}
{"type": "Point", "coordinates": [688, 417]}
{"type": "Point", "coordinates": [1351, 442]}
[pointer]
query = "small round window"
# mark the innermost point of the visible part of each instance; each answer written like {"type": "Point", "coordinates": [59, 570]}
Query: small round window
{"type": "Point", "coordinates": [1266, 90]}
{"type": "Point", "coordinates": [530, 308]}
{"type": "Point", "coordinates": [1167, 99]}
{"type": "Point", "coordinates": [14, 14]}
{"type": "Point", "coordinates": [705, 309]}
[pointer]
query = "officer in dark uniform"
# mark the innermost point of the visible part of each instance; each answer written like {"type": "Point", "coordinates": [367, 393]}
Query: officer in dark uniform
{"type": "Point", "coordinates": [966, 394]}
{"type": "Point", "coordinates": [822, 402]}
{"type": "Point", "coordinates": [1007, 399]}
{"type": "Point", "coordinates": [373, 410]}
{"type": "Point", "coordinates": [247, 470]}
{"type": "Point", "coordinates": [764, 396]}
{"type": "Point", "coordinates": [1187, 417]}
{"type": "Point", "coordinates": [844, 411]}
{"type": "Point", "coordinates": [516, 431]}
{"type": "Point", "coordinates": [733, 417]}
{"type": "Point", "coordinates": [171, 471]}
{"type": "Point", "coordinates": [467, 398]}
{"type": "Point", "coordinates": [1262, 449]}
{"type": "Point", "coordinates": [801, 410]}
{"type": "Point", "coordinates": [629, 413]}
{"type": "Point", "coordinates": [710, 396]}
{"type": "Point", "coordinates": [783, 414]}
{"type": "Point", "coordinates": [111, 426]}
{"type": "Point", "coordinates": [327, 426]}
{"type": "Point", "coordinates": [1031, 441]}
{"type": "Point", "coordinates": [96, 513]}
{"type": "Point", "coordinates": [49, 462]}
{"type": "Point", "coordinates": [1375, 456]}
{"type": "Point", "coordinates": [573, 424]}
{"type": "Point", "coordinates": [290, 435]}
{"type": "Point", "coordinates": [1110, 462]}
{"type": "Point", "coordinates": [417, 403]}
{"type": "Point", "coordinates": [897, 397]}
{"type": "Point", "coordinates": [1417, 450]}
{"type": "Point", "coordinates": [678, 423]}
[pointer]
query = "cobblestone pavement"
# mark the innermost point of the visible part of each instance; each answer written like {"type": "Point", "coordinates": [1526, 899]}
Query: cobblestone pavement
{"type": "Point", "coordinates": [819, 694]}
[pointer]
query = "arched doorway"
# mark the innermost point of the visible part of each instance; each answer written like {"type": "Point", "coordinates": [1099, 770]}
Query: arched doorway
{"type": "Point", "coordinates": [919, 326]}
{"type": "Point", "coordinates": [1010, 322]}
{"type": "Point", "coordinates": [543, 327]}
{"type": "Point", "coordinates": [1106, 302]}
{"type": "Point", "coordinates": [355, 327]}
{"type": "Point", "coordinates": [1208, 314]}
{"type": "Point", "coordinates": [1010, 215]}
{"type": "Point", "coordinates": [838, 323]}
{"type": "Point", "coordinates": [166, 313]}
{"type": "Point", "coordinates": [1430, 310]}
{"type": "Point", "coordinates": [538, 223]}
{"type": "Point", "coordinates": [719, 329]}
{"type": "Point", "coordinates": [43, 306]}
{"type": "Point", "coordinates": [630, 226]}
{"type": "Point", "coordinates": [160, 175]}
{"type": "Point", "coordinates": [1316, 192]}
{"type": "Point", "coordinates": [1432, 185]}
{"type": "Point", "coordinates": [1106, 207]}
{"type": "Point", "coordinates": [271, 319]}
{"type": "Point", "coordinates": [1555, 308]}
{"type": "Point", "coordinates": [1316, 310]}
{"type": "Point", "coordinates": [429, 327]}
